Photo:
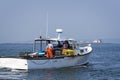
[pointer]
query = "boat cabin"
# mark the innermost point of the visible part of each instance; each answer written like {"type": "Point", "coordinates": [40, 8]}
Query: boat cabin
{"type": "Point", "coordinates": [41, 43]}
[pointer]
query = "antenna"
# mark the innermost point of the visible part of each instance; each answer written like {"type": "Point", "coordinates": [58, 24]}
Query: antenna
{"type": "Point", "coordinates": [46, 24]}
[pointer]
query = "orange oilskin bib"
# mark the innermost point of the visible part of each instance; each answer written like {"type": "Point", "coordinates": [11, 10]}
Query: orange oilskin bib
{"type": "Point", "coordinates": [49, 53]}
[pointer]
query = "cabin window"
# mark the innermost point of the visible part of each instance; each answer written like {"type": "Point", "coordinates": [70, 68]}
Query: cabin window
{"type": "Point", "coordinates": [40, 45]}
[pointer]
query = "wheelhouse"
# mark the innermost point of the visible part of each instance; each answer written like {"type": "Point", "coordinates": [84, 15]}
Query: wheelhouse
{"type": "Point", "coordinates": [41, 43]}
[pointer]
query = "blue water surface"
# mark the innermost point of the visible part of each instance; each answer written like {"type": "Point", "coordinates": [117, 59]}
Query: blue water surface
{"type": "Point", "coordinates": [104, 64]}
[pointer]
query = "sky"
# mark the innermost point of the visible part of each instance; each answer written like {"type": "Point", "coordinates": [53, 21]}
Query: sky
{"type": "Point", "coordinates": [25, 20]}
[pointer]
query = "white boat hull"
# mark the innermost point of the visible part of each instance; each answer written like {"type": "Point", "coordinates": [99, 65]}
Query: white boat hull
{"type": "Point", "coordinates": [18, 63]}
{"type": "Point", "coordinates": [57, 63]}
{"type": "Point", "coordinates": [13, 63]}
{"type": "Point", "coordinates": [44, 63]}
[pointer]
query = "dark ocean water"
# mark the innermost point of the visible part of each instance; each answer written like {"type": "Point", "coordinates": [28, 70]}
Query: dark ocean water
{"type": "Point", "coordinates": [104, 64]}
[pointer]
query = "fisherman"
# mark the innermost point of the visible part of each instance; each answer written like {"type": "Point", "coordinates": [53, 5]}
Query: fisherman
{"type": "Point", "coordinates": [67, 50]}
{"type": "Point", "coordinates": [49, 50]}
{"type": "Point", "coordinates": [66, 45]}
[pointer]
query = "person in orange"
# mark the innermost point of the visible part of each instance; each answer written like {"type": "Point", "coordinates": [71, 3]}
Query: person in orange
{"type": "Point", "coordinates": [49, 50]}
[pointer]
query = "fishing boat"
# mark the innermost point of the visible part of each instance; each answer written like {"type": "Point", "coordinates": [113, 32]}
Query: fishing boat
{"type": "Point", "coordinates": [72, 56]}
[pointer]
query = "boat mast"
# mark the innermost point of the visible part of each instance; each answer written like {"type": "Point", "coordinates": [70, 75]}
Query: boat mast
{"type": "Point", "coordinates": [47, 25]}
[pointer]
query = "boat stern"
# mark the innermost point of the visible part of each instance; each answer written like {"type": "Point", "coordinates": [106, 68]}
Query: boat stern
{"type": "Point", "coordinates": [13, 63]}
